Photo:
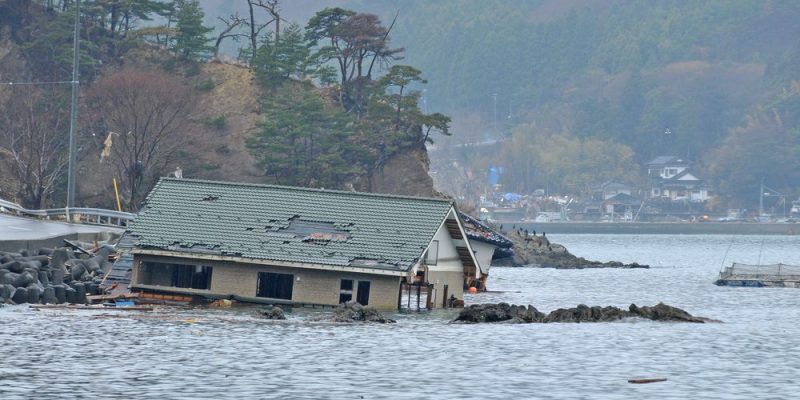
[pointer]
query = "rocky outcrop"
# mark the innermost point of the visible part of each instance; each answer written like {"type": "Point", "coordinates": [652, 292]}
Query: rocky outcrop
{"type": "Point", "coordinates": [52, 276]}
{"type": "Point", "coordinates": [532, 250]}
{"type": "Point", "coordinates": [275, 313]}
{"type": "Point", "coordinates": [505, 313]}
{"type": "Point", "coordinates": [502, 312]}
{"type": "Point", "coordinates": [355, 312]}
{"type": "Point", "coordinates": [404, 173]}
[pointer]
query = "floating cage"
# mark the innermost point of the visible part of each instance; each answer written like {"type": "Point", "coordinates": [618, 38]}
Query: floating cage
{"type": "Point", "coordinates": [778, 275]}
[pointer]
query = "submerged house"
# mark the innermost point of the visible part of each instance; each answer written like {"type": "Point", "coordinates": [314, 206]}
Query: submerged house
{"type": "Point", "coordinates": [288, 245]}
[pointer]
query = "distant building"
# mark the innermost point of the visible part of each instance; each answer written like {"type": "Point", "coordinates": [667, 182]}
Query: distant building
{"type": "Point", "coordinates": [287, 245]}
{"type": "Point", "coordinates": [609, 189]}
{"type": "Point", "coordinates": [671, 179]}
{"type": "Point", "coordinates": [621, 206]}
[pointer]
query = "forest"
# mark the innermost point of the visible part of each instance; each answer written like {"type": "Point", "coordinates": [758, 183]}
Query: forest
{"type": "Point", "coordinates": [334, 103]}
{"type": "Point", "coordinates": [549, 77]}
{"type": "Point", "coordinates": [564, 93]}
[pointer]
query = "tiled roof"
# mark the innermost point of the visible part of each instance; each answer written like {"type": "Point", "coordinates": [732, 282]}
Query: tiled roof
{"type": "Point", "coordinates": [667, 160]}
{"type": "Point", "coordinates": [288, 224]}
{"type": "Point", "coordinates": [479, 231]}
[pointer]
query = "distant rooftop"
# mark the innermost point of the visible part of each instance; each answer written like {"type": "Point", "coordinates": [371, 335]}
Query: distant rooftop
{"type": "Point", "coordinates": [288, 224]}
{"type": "Point", "coordinates": [667, 160]}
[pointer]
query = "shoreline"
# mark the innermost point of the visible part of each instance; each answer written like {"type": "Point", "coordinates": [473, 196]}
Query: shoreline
{"type": "Point", "coordinates": [650, 228]}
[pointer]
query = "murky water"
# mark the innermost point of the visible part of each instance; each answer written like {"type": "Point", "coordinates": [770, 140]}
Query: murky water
{"type": "Point", "coordinates": [202, 353]}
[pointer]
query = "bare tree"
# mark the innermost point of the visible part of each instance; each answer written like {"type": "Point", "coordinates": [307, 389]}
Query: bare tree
{"type": "Point", "coordinates": [33, 141]}
{"type": "Point", "coordinates": [149, 112]}
{"type": "Point", "coordinates": [231, 23]}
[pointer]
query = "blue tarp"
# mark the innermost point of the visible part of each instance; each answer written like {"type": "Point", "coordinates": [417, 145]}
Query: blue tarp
{"type": "Point", "coordinates": [512, 197]}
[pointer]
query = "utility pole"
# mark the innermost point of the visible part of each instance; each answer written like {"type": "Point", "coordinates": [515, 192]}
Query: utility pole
{"type": "Point", "coordinates": [494, 95]}
{"type": "Point", "coordinates": [73, 121]}
{"type": "Point", "coordinates": [761, 200]}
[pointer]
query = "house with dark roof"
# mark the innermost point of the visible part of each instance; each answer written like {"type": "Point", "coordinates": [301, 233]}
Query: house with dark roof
{"type": "Point", "coordinates": [609, 189]}
{"type": "Point", "coordinates": [671, 179]}
{"type": "Point", "coordinates": [487, 244]}
{"type": "Point", "coordinates": [288, 245]}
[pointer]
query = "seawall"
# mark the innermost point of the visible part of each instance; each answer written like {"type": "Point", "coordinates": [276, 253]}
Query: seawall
{"type": "Point", "coordinates": [649, 228]}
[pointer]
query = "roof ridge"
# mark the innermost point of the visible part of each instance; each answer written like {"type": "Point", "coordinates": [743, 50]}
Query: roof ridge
{"type": "Point", "coordinates": [305, 189]}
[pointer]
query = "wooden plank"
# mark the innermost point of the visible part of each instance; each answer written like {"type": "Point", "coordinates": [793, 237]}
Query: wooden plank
{"type": "Point", "coordinates": [646, 380]}
{"type": "Point", "coordinates": [80, 307]}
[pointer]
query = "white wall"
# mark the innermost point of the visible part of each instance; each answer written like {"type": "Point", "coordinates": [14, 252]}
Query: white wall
{"type": "Point", "coordinates": [483, 252]}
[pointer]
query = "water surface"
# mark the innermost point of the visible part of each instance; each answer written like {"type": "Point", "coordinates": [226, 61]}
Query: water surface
{"type": "Point", "coordinates": [201, 353]}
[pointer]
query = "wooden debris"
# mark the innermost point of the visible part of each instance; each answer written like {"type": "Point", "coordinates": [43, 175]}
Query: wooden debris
{"type": "Point", "coordinates": [80, 307]}
{"type": "Point", "coordinates": [646, 380]}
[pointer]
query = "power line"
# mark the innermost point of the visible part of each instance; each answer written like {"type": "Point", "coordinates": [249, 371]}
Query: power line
{"type": "Point", "coordinates": [36, 83]}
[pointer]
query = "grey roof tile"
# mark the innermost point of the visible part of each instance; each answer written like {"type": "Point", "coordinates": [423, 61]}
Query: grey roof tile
{"type": "Point", "coordinates": [290, 224]}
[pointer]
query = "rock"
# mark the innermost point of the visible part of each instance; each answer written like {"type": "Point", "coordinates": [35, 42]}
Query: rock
{"type": "Point", "coordinates": [6, 277]}
{"type": "Point", "coordinates": [663, 312]}
{"type": "Point", "coordinates": [59, 257]}
{"type": "Point", "coordinates": [538, 251]}
{"type": "Point", "coordinates": [34, 294]}
{"type": "Point", "coordinates": [91, 288]}
{"type": "Point", "coordinates": [25, 279]}
{"type": "Point", "coordinates": [70, 295]}
{"type": "Point", "coordinates": [44, 278]}
{"type": "Point", "coordinates": [6, 291]}
{"type": "Point", "coordinates": [77, 270]}
{"type": "Point", "coordinates": [60, 293]}
{"type": "Point", "coordinates": [355, 312]}
{"type": "Point", "coordinates": [13, 266]}
{"type": "Point", "coordinates": [273, 313]}
{"type": "Point", "coordinates": [502, 312]}
{"type": "Point", "coordinates": [583, 313]}
{"type": "Point", "coordinates": [20, 295]}
{"type": "Point", "coordinates": [49, 295]}
{"type": "Point", "coordinates": [44, 251]}
{"type": "Point", "coordinates": [57, 274]}
{"type": "Point", "coordinates": [80, 292]}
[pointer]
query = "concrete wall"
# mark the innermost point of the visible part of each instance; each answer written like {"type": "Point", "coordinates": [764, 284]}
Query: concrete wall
{"type": "Point", "coordinates": [454, 281]}
{"type": "Point", "coordinates": [310, 286]}
{"type": "Point", "coordinates": [483, 252]}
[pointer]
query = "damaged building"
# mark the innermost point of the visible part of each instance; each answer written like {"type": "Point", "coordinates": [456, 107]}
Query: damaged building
{"type": "Point", "coordinates": [288, 245]}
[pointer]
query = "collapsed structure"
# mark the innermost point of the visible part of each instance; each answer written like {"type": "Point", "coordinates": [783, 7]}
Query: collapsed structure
{"type": "Point", "coordinates": [288, 245]}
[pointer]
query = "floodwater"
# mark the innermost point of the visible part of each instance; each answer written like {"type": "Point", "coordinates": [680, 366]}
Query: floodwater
{"type": "Point", "coordinates": [202, 353]}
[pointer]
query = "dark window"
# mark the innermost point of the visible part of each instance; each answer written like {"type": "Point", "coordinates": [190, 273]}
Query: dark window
{"type": "Point", "coordinates": [191, 276]}
{"type": "Point", "coordinates": [362, 297]}
{"type": "Point", "coordinates": [345, 291]}
{"type": "Point", "coordinates": [275, 286]}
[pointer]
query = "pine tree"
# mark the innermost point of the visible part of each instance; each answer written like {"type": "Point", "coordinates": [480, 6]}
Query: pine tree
{"type": "Point", "coordinates": [191, 39]}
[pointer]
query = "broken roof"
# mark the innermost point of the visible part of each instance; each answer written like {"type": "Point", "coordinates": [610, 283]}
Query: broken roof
{"type": "Point", "coordinates": [288, 224]}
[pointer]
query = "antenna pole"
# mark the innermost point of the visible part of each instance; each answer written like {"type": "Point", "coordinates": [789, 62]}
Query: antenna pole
{"type": "Point", "coordinates": [73, 121]}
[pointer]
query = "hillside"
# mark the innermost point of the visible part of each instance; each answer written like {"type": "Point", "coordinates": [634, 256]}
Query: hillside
{"type": "Point", "coordinates": [619, 71]}
{"type": "Point", "coordinates": [150, 108]}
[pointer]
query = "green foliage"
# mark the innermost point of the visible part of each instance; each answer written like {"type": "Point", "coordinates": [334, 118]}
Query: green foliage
{"type": "Point", "coordinates": [191, 40]}
{"type": "Point", "coordinates": [207, 85]}
{"type": "Point", "coordinates": [301, 143]}
{"type": "Point", "coordinates": [563, 163]}
{"type": "Point", "coordinates": [288, 58]}
{"type": "Point", "coordinates": [169, 65]}
{"type": "Point", "coordinates": [219, 122]}
{"type": "Point", "coordinates": [192, 69]}
{"type": "Point", "coordinates": [48, 49]}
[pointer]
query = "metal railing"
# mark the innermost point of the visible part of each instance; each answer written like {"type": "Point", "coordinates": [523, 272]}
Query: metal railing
{"type": "Point", "coordinates": [93, 216]}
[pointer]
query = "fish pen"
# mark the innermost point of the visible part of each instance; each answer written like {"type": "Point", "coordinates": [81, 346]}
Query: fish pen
{"type": "Point", "coordinates": [771, 275]}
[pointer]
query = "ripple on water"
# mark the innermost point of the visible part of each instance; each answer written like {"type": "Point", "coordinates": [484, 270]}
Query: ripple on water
{"type": "Point", "coordinates": [195, 353]}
